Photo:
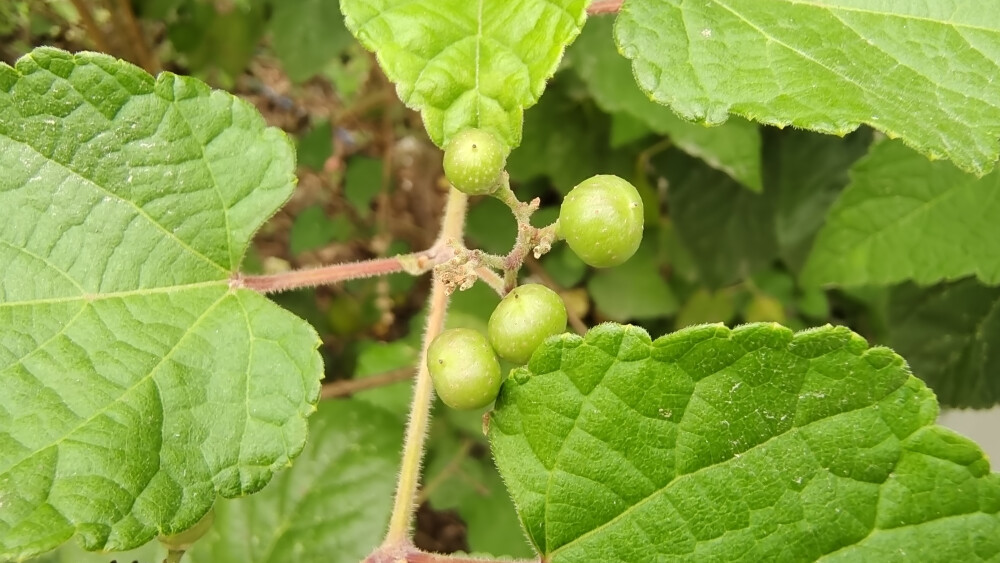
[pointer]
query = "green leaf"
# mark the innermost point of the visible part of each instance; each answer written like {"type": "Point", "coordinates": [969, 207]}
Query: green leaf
{"type": "Point", "coordinates": [808, 171]}
{"type": "Point", "coordinates": [647, 296]}
{"type": "Point", "coordinates": [467, 64]}
{"type": "Point", "coordinates": [564, 138]}
{"type": "Point", "coordinates": [491, 227]}
{"type": "Point", "coordinates": [331, 506]}
{"type": "Point", "coordinates": [564, 266]}
{"type": "Point", "coordinates": [214, 39]}
{"type": "Point", "coordinates": [733, 148]}
{"type": "Point", "coordinates": [950, 334]}
{"type": "Point", "coordinates": [131, 369]}
{"type": "Point", "coordinates": [751, 444]}
{"type": "Point", "coordinates": [706, 306]}
{"type": "Point", "coordinates": [308, 35]}
{"type": "Point", "coordinates": [921, 71]}
{"type": "Point", "coordinates": [728, 230]}
{"type": "Point", "coordinates": [625, 129]}
{"type": "Point", "coordinates": [458, 477]}
{"type": "Point", "coordinates": [312, 229]}
{"type": "Point", "coordinates": [376, 358]}
{"type": "Point", "coordinates": [316, 145]}
{"type": "Point", "coordinates": [904, 218]}
{"type": "Point", "coordinates": [362, 182]}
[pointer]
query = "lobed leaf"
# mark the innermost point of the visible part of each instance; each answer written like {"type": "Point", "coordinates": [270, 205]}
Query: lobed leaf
{"type": "Point", "coordinates": [752, 444]}
{"type": "Point", "coordinates": [467, 64]}
{"type": "Point", "coordinates": [920, 71]}
{"type": "Point", "coordinates": [733, 148]}
{"type": "Point", "coordinates": [333, 505]}
{"type": "Point", "coordinates": [138, 385]}
{"type": "Point", "coordinates": [308, 35]}
{"type": "Point", "coordinates": [904, 218]}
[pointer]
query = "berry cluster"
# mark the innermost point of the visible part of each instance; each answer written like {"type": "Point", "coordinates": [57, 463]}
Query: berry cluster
{"type": "Point", "coordinates": [601, 219]}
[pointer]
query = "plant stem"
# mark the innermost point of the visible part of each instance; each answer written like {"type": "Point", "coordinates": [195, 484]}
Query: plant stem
{"type": "Point", "coordinates": [404, 504]}
{"type": "Point", "coordinates": [347, 387]}
{"type": "Point", "coordinates": [415, 263]}
{"type": "Point", "coordinates": [297, 279]}
{"type": "Point", "coordinates": [491, 279]}
{"type": "Point", "coordinates": [93, 30]}
{"type": "Point", "coordinates": [174, 556]}
{"type": "Point", "coordinates": [147, 59]}
{"type": "Point", "coordinates": [598, 7]}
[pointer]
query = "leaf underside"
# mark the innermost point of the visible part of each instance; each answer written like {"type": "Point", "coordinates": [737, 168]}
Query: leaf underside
{"type": "Point", "coordinates": [137, 384]}
{"type": "Point", "coordinates": [752, 444]}
{"type": "Point", "coordinates": [467, 63]}
{"type": "Point", "coordinates": [920, 71]}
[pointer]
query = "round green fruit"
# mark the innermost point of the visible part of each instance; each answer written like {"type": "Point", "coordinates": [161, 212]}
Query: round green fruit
{"type": "Point", "coordinates": [464, 369]}
{"type": "Point", "coordinates": [523, 320]}
{"type": "Point", "coordinates": [473, 161]}
{"type": "Point", "coordinates": [601, 220]}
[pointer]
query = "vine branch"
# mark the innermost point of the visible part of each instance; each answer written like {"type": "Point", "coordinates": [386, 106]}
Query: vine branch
{"type": "Point", "coordinates": [347, 387]}
{"type": "Point", "coordinates": [404, 505]}
{"type": "Point", "coordinates": [93, 30]}
{"type": "Point", "coordinates": [598, 7]}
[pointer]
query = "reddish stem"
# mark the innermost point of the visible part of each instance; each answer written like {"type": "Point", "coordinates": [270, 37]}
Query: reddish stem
{"type": "Point", "coordinates": [325, 275]}
{"type": "Point", "coordinates": [598, 7]}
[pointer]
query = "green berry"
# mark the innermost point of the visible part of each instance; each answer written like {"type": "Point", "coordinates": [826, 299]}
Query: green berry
{"type": "Point", "coordinates": [523, 320]}
{"type": "Point", "coordinates": [601, 220]}
{"type": "Point", "coordinates": [184, 540]}
{"type": "Point", "coordinates": [464, 369]}
{"type": "Point", "coordinates": [473, 161]}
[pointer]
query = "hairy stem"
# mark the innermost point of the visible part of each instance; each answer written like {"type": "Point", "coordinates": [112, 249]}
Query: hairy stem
{"type": "Point", "coordinates": [415, 263]}
{"type": "Point", "coordinates": [347, 387]}
{"type": "Point", "coordinates": [404, 504]}
{"type": "Point", "coordinates": [598, 7]}
{"type": "Point", "coordinates": [491, 279]}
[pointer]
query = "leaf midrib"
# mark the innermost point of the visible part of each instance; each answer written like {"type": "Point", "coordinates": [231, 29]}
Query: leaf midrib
{"type": "Point", "coordinates": [90, 297]}
{"type": "Point", "coordinates": [138, 210]}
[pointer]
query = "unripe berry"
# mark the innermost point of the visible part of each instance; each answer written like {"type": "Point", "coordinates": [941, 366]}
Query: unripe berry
{"type": "Point", "coordinates": [464, 369]}
{"type": "Point", "coordinates": [523, 320]}
{"type": "Point", "coordinates": [474, 160]}
{"type": "Point", "coordinates": [601, 220]}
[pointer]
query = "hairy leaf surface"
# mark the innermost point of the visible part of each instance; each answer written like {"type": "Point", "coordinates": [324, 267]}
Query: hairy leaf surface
{"type": "Point", "coordinates": [733, 148]}
{"type": "Point", "coordinates": [753, 444]}
{"type": "Point", "coordinates": [464, 63]}
{"type": "Point", "coordinates": [138, 385]}
{"type": "Point", "coordinates": [921, 71]}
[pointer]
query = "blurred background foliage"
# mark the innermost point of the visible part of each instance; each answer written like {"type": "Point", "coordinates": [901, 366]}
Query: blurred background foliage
{"type": "Point", "coordinates": [731, 214]}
